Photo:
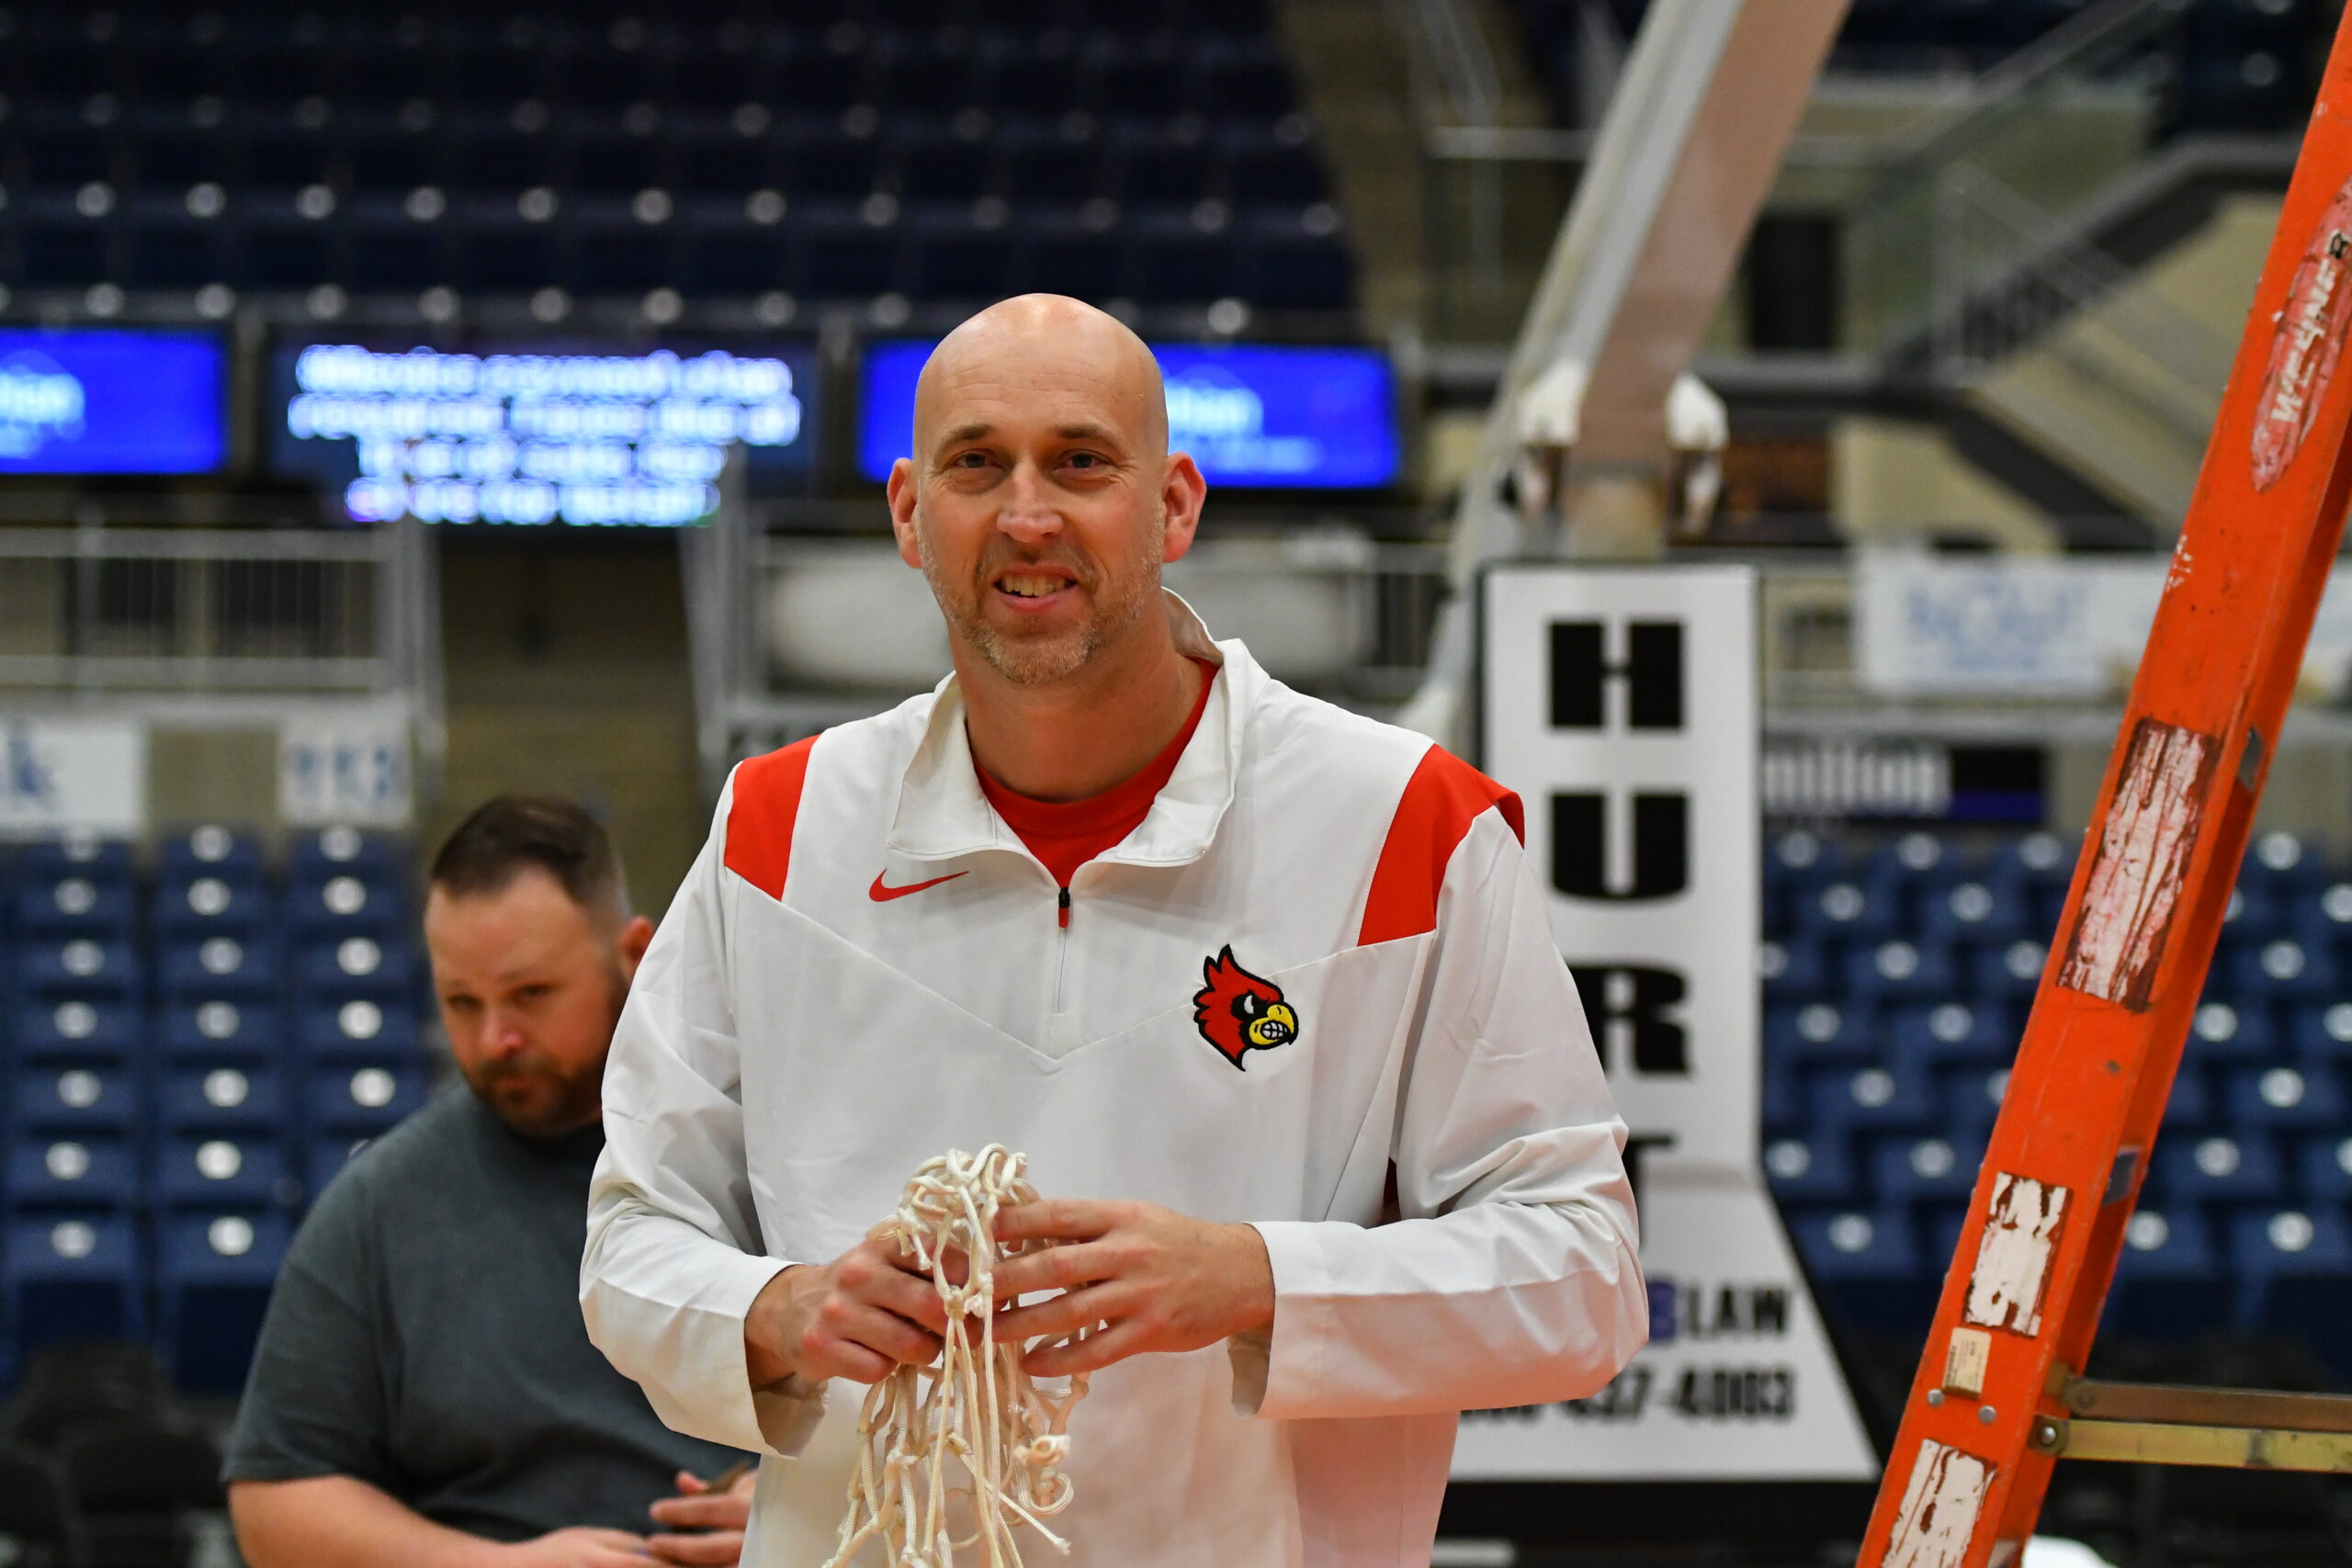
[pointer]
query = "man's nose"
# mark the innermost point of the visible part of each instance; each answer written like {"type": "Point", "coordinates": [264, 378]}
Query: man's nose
{"type": "Point", "coordinates": [502, 1033]}
{"type": "Point", "coordinates": [1028, 515]}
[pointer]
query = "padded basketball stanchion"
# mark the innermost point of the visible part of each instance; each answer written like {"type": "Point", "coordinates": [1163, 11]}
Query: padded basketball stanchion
{"type": "Point", "coordinates": [1999, 1398]}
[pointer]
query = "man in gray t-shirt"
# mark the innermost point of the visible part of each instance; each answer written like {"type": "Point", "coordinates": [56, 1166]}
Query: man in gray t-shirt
{"type": "Point", "coordinates": [423, 1386]}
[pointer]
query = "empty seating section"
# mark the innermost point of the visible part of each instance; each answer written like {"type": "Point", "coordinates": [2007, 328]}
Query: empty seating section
{"type": "Point", "coordinates": [1897, 975]}
{"type": "Point", "coordinates": [2227, 65]}
{"type": "Point", "coordinates": [194, 1041]}
{"type": "Point", "coordinates": [1152, 150]}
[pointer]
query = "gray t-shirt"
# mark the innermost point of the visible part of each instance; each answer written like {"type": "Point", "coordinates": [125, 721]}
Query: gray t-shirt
{"type": "Point", "coordinates": [425, 1338]}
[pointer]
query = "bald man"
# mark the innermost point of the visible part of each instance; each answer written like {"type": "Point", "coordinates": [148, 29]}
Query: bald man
{"type": "Point", "coordinates": [1265, 990]}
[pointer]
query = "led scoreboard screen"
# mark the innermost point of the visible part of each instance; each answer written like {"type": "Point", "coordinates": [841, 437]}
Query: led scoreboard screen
{"type": "Point", "coordinates": [112, 403]}
{"type": "Point", "coordinates": [1253, 415]}
{"type": "Point", "coordinates": [540, 437]}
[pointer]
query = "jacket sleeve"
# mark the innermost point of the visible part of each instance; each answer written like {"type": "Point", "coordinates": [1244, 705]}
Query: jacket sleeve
{"type": "Point", "coordinates": [1512, 1277]}
{"type": "Point", "coordinates": [675, 1255]}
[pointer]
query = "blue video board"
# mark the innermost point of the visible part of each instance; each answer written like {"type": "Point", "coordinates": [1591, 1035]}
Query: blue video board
{"type": "Point", "coordinates": [112, 403]}
{"type": "Point", "coordinates": [1251, 415]}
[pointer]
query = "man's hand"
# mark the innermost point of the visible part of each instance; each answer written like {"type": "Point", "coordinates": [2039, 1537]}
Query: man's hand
{"type": "Point", "coordinates": [717, 1518]}
{"type": "Point", "coordinates": [857, 1318]}
{"type": "Point", "coordinates": [1159, 1279]}
{"type": "Point", "coordinates": [580, 1547]}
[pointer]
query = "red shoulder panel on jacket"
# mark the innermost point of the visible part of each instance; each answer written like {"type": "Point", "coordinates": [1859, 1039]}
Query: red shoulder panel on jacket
{"type": "Point", "coordinates": [1444, 796]}
{"type": "Point", "coordinates": [760, 817]}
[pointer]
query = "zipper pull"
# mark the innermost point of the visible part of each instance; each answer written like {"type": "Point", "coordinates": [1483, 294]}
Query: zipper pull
{"type": "Point", "coordinates": [1065, 908]}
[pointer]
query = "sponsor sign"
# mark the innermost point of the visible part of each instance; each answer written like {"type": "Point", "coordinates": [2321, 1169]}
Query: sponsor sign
{"type": "Point", "coordinates": [357, 770]}
{"type": "Point", "coordinates": [538, 436]}
{"type": "Point", "coordinates": [112, 403]}
{"type": "Point", "coordinates": [1621, 703]}
{"type": "Point", "coordinates": [1250, 414]}
{"type": "Point", "coordinates": [73, 775]}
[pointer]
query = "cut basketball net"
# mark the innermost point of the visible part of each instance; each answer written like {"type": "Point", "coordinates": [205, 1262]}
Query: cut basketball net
{"type": "Point", "coordinates": [981, 1413]}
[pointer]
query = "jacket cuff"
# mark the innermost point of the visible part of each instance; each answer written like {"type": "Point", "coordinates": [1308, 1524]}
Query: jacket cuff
{"type": "Point", "coordinates": [1283, 1375]}
{"type": "Point", "coordinates": [771, 1417]}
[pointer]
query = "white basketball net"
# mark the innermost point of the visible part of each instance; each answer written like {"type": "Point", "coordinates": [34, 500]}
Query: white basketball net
{"type": "Point", "coordinates": [976, 1411]}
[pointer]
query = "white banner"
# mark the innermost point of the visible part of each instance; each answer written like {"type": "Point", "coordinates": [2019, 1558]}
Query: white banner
{"type": "Point", "coordinates": [73, 775]}
{"type": "Point", "coordinates": [1927, 626]}
{"type": "Point", "coordinates": [352, 770]}
{"type": "Point", "coordinates": [1620, 704]}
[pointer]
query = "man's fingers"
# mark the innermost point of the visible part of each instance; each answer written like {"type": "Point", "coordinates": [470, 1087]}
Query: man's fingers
{"type": "Point", "coordinates": [1065, 1314]}
{"type": "Point", "coordinates": [714, 1551]}
{"type": "Point", "coordinates": [1055, 1219]}
{"type": "Point", "coordinates": [1055, 1269]}
{"type": "Point", "coordinates": [878, 1281]}
{"type": "Point", "coordinates": [689, 1483]}
{"type": "Point", "coordinates": [1089, 1355]}
{"type": "Point", "coordinates": [885, 1334]}
{"type": "Point", "coordinates": [712, 1511]}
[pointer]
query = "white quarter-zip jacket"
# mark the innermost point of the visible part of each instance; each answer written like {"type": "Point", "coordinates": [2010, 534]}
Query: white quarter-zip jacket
{"type": "Point", "coordinates": [1315, 992]}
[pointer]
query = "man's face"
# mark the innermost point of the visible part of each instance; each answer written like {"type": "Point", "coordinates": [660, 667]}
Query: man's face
{"type": "Point", "coordinates": [530, 988]}
{"type": "Point", "coordinates": [1039, 500]}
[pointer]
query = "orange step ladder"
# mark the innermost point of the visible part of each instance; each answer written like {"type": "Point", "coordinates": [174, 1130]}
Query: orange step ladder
{"type": "Point", "coordinates": [1999, 1398]}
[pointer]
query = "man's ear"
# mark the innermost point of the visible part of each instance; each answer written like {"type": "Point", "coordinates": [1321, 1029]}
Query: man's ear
{"type": "Point", "coordinates": [1182, 493]}
{"type": "Point", "coordinates": [903, 512]}
{"type": "Point", "coordinates": [630, 945]}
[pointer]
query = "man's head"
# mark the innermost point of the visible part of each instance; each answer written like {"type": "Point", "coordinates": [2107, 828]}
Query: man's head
{"type": "Point", "coordinates": [528, 922]}
{"type": "Point", "coordinates": [1041, 499]}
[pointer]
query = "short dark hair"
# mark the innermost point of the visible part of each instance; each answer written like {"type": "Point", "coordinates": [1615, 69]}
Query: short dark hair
{"type": "Point", "coordinates": [509, 834]}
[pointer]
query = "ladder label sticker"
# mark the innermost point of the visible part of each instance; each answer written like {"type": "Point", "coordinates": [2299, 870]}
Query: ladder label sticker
{"type": "Point", "coordinates": [2133, 890]}
{"type": "Point", "coordinates": [1965, 1359]}
{"type": "Point", "coordinates": [2305, 344]}
{"type": "Point", "coordinates": [2012, 1270]}
{"type": "Point", "coordinates": [1940, 1503]}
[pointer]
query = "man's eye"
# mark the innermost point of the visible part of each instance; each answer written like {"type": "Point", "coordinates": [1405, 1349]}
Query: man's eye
{"type": "Point", "coordinates": [459, 1004]}
{"type": "Point", "coordinates": [1084, 460]}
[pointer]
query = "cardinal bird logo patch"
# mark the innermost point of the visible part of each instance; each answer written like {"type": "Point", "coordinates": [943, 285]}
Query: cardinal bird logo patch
{"type": "Point", "coordinates": [1238, 1012]}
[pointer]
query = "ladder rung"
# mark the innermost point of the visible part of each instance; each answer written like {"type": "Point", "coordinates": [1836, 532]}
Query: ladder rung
{"type": "Point", "coordinates": [2165, 1442]}
{"type": "Point", "coordinates": [2244, 1408]}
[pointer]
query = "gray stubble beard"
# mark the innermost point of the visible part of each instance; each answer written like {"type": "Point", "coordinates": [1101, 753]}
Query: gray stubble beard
{"type": "Point", "coordinates": [1037, 662]}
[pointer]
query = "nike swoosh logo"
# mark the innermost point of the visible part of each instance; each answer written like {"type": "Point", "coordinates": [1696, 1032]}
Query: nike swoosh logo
{"type": "Point", "coordinates": [882, 894]}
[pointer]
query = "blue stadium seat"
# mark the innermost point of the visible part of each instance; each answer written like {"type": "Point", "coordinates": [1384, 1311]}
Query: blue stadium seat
{"type": "Point", "coordinates": [364, 1100]}
{"type": "Point", "coordinates": [1796, 865]}
{"type": "Point", "coordinates": [1845, 910]}
{"type": "Point", "coordinates": [1914, 859]}
{"type": "Point", "coordinates": [73, 906]}
{"type": "Point", "coordinates": [2219, 1169]}
{"type": "Point", "coordinates": [51, 1171]}
{"type": "Point", "coordinates": [210, 906]}
{"type": "Point", "coordinates": [1813, 1170]}
{"type": "Point", "coordinates": [2251, 918]}
{"type": "Point", "coordinates": [2169, 1279]}
{"type": "Point", "coordinates": [2009, 972]}
{"type": "Point", "coordinates": [2282, 865]}
{"type": "Point", "coordinates": [2285, 1099]}
{"type": "Point", "coordinates": [1296, 261]}
{"type": "Point", "coordinates": [1924, 1170]}
{"type": "Point", "coordinates": [223, 1097]}
{"type": "Point", "coordinates": [213, 1281]}
{"type": "Point", "coordinates": [2283, 969]}
{"type": "Point", "coordinates": [1976, 911]}
{"type": "Point", "coordinates": [236, 968]}
{"type": "Point", "coordinates": [1902, 972]}
{"type": "Point", "coordinates": [2325, 1166]}
{"type": "Point", "coordinates": [212, 850]}
{"type": "Point", "coordinates": [2221, 1032]}
{"type": "Point", "coordinates": [357, 967]}
{"type": "Point", "coordinates": [2321, 1034]}
{"type": "Point", "coordinates": [219, 1171]}
{"type": "Point", "coordinates": [53, 860]}
{"type": "Point", "coordinates": [359, 1029]}
{"type": "Point", "coordinates": [83, 967]}
{"type": "Point", "coordinates": [101, 1098]}
{"type": "Point", "coordinates": [78, 1030]}
{"type": "Point", "coordinates": [1899, 1097]}
{"type": "Point", "coordinates": [222, 1029]}
{"type": "Point", "coordinates": [1782, 1095]}
{"type": "Point", "coordinates": [2192, 1107]}
{"type": "Point", "coordinates": [2291, 1265]}
{"type": "Point", "coordinates": [317, 857]}
{"type": "Point", "coordinates": [1971, 1098]}
{"type": "Point", "coordinates": [1956, 1032]}
{"type": "Point", "coordinates": [1868, 1263]}
{"type": "Point", "coordinates": [69, 1277]}
{"type": "Point", "coordinates": [1793, 971]}
{"type": "Point", "coordinates": [1820, 1031]}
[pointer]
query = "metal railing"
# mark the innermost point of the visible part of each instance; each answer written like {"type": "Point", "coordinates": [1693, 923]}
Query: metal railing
{"type": "Point", "coordinates": [1377, 600]}
{"type": "Point", "coordinates": [195, 623]}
